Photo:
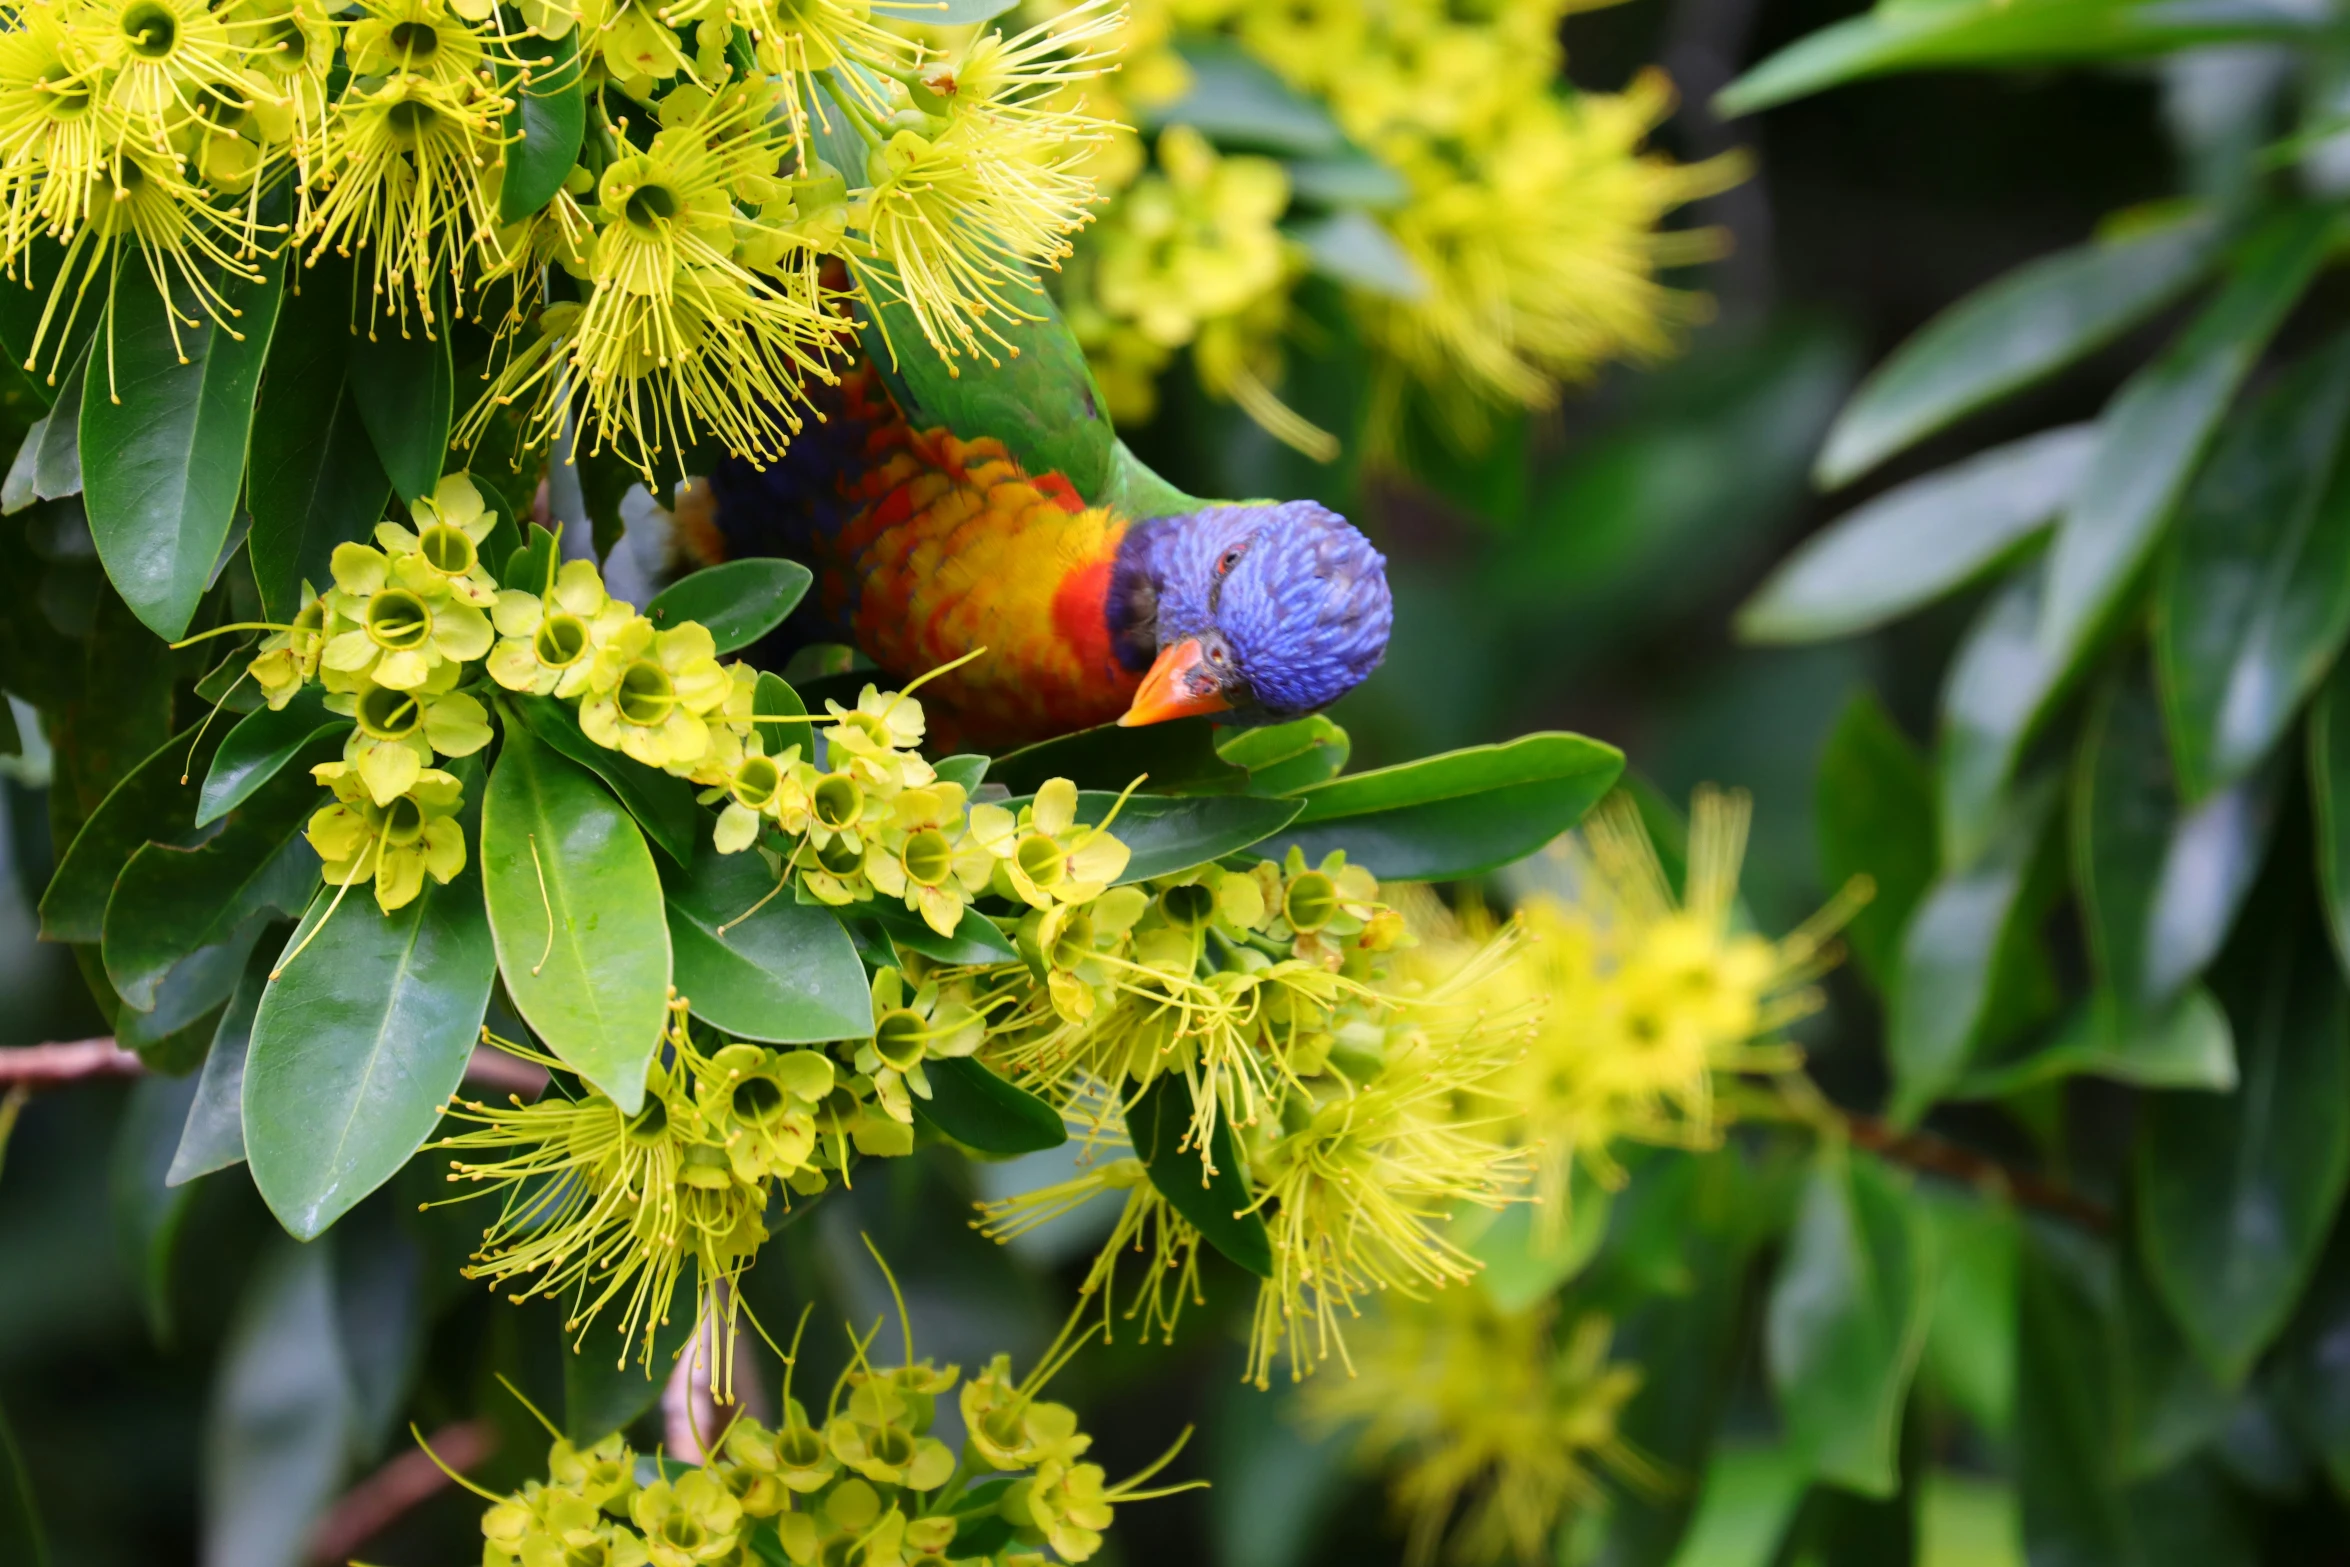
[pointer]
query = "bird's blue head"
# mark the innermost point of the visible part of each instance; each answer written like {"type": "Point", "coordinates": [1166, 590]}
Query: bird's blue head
{"type": "Point", "coordinates": [1268, 612]}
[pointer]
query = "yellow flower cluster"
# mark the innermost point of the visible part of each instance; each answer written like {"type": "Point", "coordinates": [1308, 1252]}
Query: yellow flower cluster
{"type": "Point", "coordinates": [1531, 213]}
{"type": "Point", "coordinates": [688, 237]}
{"type": "Point", "coordinates": [867, 1483]}
{"type": "Point", "coordinates": [1485, 1411]}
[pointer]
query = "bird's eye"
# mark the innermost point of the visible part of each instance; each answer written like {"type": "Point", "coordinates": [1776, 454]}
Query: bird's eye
{"type": "Point", "coordinates": [1227, 561]}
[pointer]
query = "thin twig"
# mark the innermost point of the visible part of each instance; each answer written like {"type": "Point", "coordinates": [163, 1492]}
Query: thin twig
{"type": "Point", "coordinates": [410, 1478]}
{"type": "Point", "coordinates": [1940, 1156]}
{"type": "Point", "coordinates": [82, 1060]}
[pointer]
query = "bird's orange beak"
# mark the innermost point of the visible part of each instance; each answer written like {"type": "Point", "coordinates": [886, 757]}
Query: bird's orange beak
{"type": "Point", "coordinates": [1174, 689]}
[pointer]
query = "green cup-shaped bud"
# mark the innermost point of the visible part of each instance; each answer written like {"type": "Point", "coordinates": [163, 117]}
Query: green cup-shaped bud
{"type": "Point", "coordinates": [755, 783]}
{"type": "Point", "coordinates": [645, 696]}
{"type": "Point", "coordinates": [837, 801]}
{"type": "Point", "coordinates": [1312, 902]}
{"type": "Point", "coordinates": [928, 857]}
{"type": "Point", "coordinates": [397, 620]}
{"type": "Point", "coordinates": [899, 1039]}
{"type": "Point", "coordinates": [839, 858]}
{"type": "Point", "coordinates": [1187, 907]}
{"type": "Point", "coordinates": [561, 641]}
{"type": "Point", "coordinates": [1041, 859]}
{"type": "Point", "coordinates": [447, 550]}
{"type": "Point", "coordinates": [385, 714]}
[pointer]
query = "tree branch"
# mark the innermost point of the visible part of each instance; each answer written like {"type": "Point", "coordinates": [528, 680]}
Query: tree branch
{"type": "Point", "coordinates": [379, 1501]}
{"type": "Point", "coordinates": [1939, 1156]}
{"type": "Point", "coordinates": [82, 1060]}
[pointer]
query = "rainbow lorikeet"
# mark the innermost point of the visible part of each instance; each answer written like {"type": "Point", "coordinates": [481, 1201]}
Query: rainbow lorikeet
{"type": "Point", "coordinates": [945, 514]}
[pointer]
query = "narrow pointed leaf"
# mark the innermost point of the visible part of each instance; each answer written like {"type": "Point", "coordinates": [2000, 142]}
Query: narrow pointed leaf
{"type": "Point", "coordinates": [980, 1110]}
{"type": "Point", "coordinates": [2254, 598]}
{"type": "Point", "coordinates": [148, 1210]}
{"type": "Point", "coordinates": [966, 770]}
{"type": "Point", "coordinates": [787, 974]}
{"type": "Point", "coordinates": [1919, 541]}
{"type": "Point", "coordinates": [547, 126]}
{"type": "Point", "coordinates": [163, 457]}
{"type": "Point", "coordinates": [1875, 818]}
{"type": "Point", "coordinates": [1165, 835]}
{"type": "Point", "coordinates": [2018, 329]}
{"type": "Point", "coordinates": [1217, 1204]}
{"type": "Point", "coordinates": [213, 1136]}
{"type": "Point", "coordinates": [575, 905]}
{"type": "Point", "coordinates": [1457, 814]}
{"type": "Point", "coordinates": [150, 805]}
{"type": "Point", "coordinates": [362, 1037]}
{"type": "Point", "coordinates": [1285, 758]}
{"type": "Point", "coordinates": [976, 938]}
{"type": "Point", "coordinates": [314, 480]}
{"type": "Point", "coordinates": [258, 749]}
{"type": "Point", "coordinates": [531, 567]}
{"type": "Point", "coordinates": [773, 697]}
{"type": "Point", "coordinates": [1178, 757]}
{"type": "Point", "coordinates": [21, 1536]}
{"type": "Point", "coordinates": [2153, 434]}
{"type": "Point", "coordinates": [740, 601]}
{"type": "Point", "coordinates": [407, 395]}
{"type": "Point", "coordinates": [2187, 1044]}
{"type": "Point", "coordinates": [1997, 679]}
{"type": "Point", "coordinates": [662, 804]}
{"type": "Point", "coordinates": [2329, 793]}
{"type": "Point", "coordinates": [275, 1434]}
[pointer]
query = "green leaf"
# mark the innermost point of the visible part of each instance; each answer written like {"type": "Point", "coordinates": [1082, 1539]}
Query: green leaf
{"type": "Point", "coordinates": [786, 975]}
{"type": "Point", "coordinates": [575, 905]}
{"type": "Point", "coordinates": [21, 1536]}
{"type": "Point", "coordinates": [48, 465]}
{"type": "Point", "coordinates": [1918, 541]}
{"type": "Point", "coordinates": [149, 805]}
{"type": "Point", "coordinates": [2160, 885]}
{"type": "Point", "coordinates": [1166, 835]}
{"type": "Point", "coordinates": [1284, 758]}
{"type": "Point", "coordinates": [774, 697]}
{"type": "Point", "coordinates": [1235, 100]}
{"type": "Point", "coordinates": [21, 307]}
{"type": "Point", "coordinates": [314, 481]}
{"type": "Point", "coordinates": [1749, 1499]}
{"type": "Point", "coordinates": [1522, 1263]}
{"type": "Point", "coordinates": [2237, 1191]}
{"type": "Point", "coordinates": [740, 601]}
{"type": "Point", "coordinates": [2186, 1044]}
{"type": "Point", "coordinates": [1847, 1319]}
{"type": "Point", "coordinates": [259, 747]}
{"type": "Point", "coordinates": [176, 1034]}
{"type": "Point", "coordinates": [163, 458]}
{"type": "Point", "coordinates": [1178, 757]}
{"type": "Point", "coordinates": [2329, 791]}
{"type": "Point", "coordinates": [1893, 38]}
{"type": "Point", "coordinates": [605, 478]}
{"type": "Point", "coordinates": [406, 389]}
{"type": "Point", "coordinates": [2073, 1509]}
{"type": "Point", "coordinates": [362, 1036]}
{"type": "Point", "coordinates": [661, 803]}
{"type": "Point", "coordinates": [1352, 247]}
{"type": "Point", "coordinates": [2154, 432]}
{"type": "Point", "coordinates": [2314, 1373]}
{"type": "Point", "coordinates": [532, 567]}
{"type": "Point", "coordinates": [1457, 814]}
{"type": "Point", "coordinates": [1944, 1008]}
{"type": "Point", "coordinates": [606, 1385]}
{"type": "Point", "coordinates": [2254, 598]}
{"type": "Point", "coordinates": [547, 125]}
{"type": "Point", "coordinates": [966, 770]}
{"type": "Point", "coordinates": [147, 1210]}
{"type": "Point", "coordinates": [170, 903]}
{"type": "Point", "coordinates": [1156, 1123]}
{"type": "Point", "coordinates": [976, 938]}
{"type": "Point", "coordinates": [980, 1110]}
{"type": "Point", "coordinates": [2017, 330]}
{"type": "Point", "coordinates": [1970, 1344]}
{"type": "Point", "coordinates": [1996, 682]}
{"type": "Point", "coordinates": [2167, 1402]}
{"type": "Point", "coordinates": [1874, 813]}
{"type": "Point", "coordinates": [213, 1136]}
{"type": "Point", "coordinates": [275, 1434]}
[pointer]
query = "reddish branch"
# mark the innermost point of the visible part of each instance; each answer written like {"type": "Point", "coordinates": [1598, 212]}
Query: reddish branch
{"type": "Point", "coordinates": [377, 1502]}
{"type": "Point", "coordinates": [48, 1066]}
{"type": "Point", "coordinates": [1940, 1156]}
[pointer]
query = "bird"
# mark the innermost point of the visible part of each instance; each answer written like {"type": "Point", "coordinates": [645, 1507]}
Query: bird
{"type": "Point", "coordinates": [944, 514]}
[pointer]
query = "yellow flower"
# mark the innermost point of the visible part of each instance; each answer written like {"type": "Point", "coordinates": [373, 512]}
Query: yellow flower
{"type": "Point", "coordinates": [398, 844]}
{"type": "Point", "coordinates": [403, 619]}
{"type": "Point", "coordinates": [549, 645]}
{"type": "Point", "coordinates": [287, 659]}
{"type": "Point", "coordinates": [757, 787]}
{"type": "Point", "coordinates": [925, 856]}
{"type": "Point", "coordinates": [451, 524]}
{"type": "Point", "coordinates": [649, 693]}
{"type": "Point", "coordinates": [688, 1522]}
{"type": "Point", "coordinates": [1045, 857]}
{"type": "Point", "coordinates": [399, 732]}
{"type": "Point", "coordinates": [423, 38]}
{"type": "Point", "coordinates": [630, 40]}
{"type": "Point", "coordinates": [874, 741]}
{"type": "Point", "coordinates": [907, 1029]}
{"type": "Point", "coordinates": [768, 1100]}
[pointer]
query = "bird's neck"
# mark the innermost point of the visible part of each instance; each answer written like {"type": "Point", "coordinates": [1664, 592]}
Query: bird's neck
{"type": "Point", "coordinates": [1130, 606]}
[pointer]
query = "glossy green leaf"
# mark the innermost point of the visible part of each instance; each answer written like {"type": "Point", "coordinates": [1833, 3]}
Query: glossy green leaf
{"type": "Point", "coordinates": [1284, 758]}
{"type": "Point", "coordinates": [275, 1432]}
{"type": "Point", "coordinates": [1945, 1005]}
{"type": "Point", "coordinates": [786, 975]}
{"type": "Point", "coordinates": [532, 567]}
{"type": "Point", "coordinates": [1970, 1343]}
{"type": "Point", "coordinates": [740, 601]}
{"type": "Point", "coordinates": [1348, 178]}
{"type": "Point", "coordinates": [147, 1210]}
{"type": "Point", "coordinates": [258, 749]}
{"type": "Point", "coordinates": [2186, 1044]}
{"type": "Point", "coordinates": [1157, 1123]}
{"type": "Point", "coordinates": [1457, 814]}
{"type": "Point", "coordinates": [21, 308]}
{"type": "Point", "coordinates": [170, 902]}
{"type": "Point", "coordinates": [980, 1110]}
{"type": "Point", "coordinates": [1997, 680]}
{"type": "Point", "coordinates": [175, 1035]}
{"type": "Point", "coordinates": [575, 905]}
{"type": "Point", "coordinates": [1919, 541]}
{"type": "Point", "coordinates": [662, 803]}
{"type": "Point", "coordinates": [1749, 1499]}
{"type": "Point", "coordinates": [314, 481]}
{"type": "Point", "coordinates": [2160, 885]}
{"type": "Point", "coordinates": [2315, 1368]}
{"type": "Point", "coordinates": [362, 1037]}
{"type": "Point", "coordinates": [1893, 38]}
{"type": "Point", "coordinates": [149, 805]}
{"type": "Point", "coordinates": [2329, 794]}
{"type": "Point", "coordinates": [48, 465]}
{"type": "Point", "coordinates": [1352, 247]}
{"type": "Point", "coordinates": [966, 770]}
{"type": "Point", "coordinates": [380, 1315]}
{"type": "Point", "coordinates": [21, 1537]}
{"type": "Point", "coordinates": [163, 457]}
{"type": "Point", "coordinates": [1235, 100]}
{"type": "Point", "coordinates": [2238, 1191]}
{"type": "Point", "coordinates": [2073, 1508]}
{"type": "Point", "coordinates": [606, 1385]}
{"type": "Point", "coordinates": [2017, 330]}
{"type": "Point", "coordinates": [976, 938]}
{"type": "Point", "coordinates": [213, 1136]}
{"type": "Point", "coordinates": [406, 389]}
{"type": "Point", "coordinates": [547, 125]}
{"type": "Point", "coordinates": [508, 517]}
{"type": "Point", "coordinates": [1523, 1260]}
{"type": "Point", "coordinates": [2254, 599]}
{"type": "Point", "coordinates": [1874, 813]}
{"type": "Point", "coordinates": [1165, 835]}
{"type": "Point", "coordinates": [773, 697]}
{"type": "Point", "coordinates": [1847, 1319]}
{"type": "Point", "coordinates": [1178, 757]}
{"type": "Point", "coordinates": [2154, 432]}
{"type": "Point", "coordinates": [2167, 1402]}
